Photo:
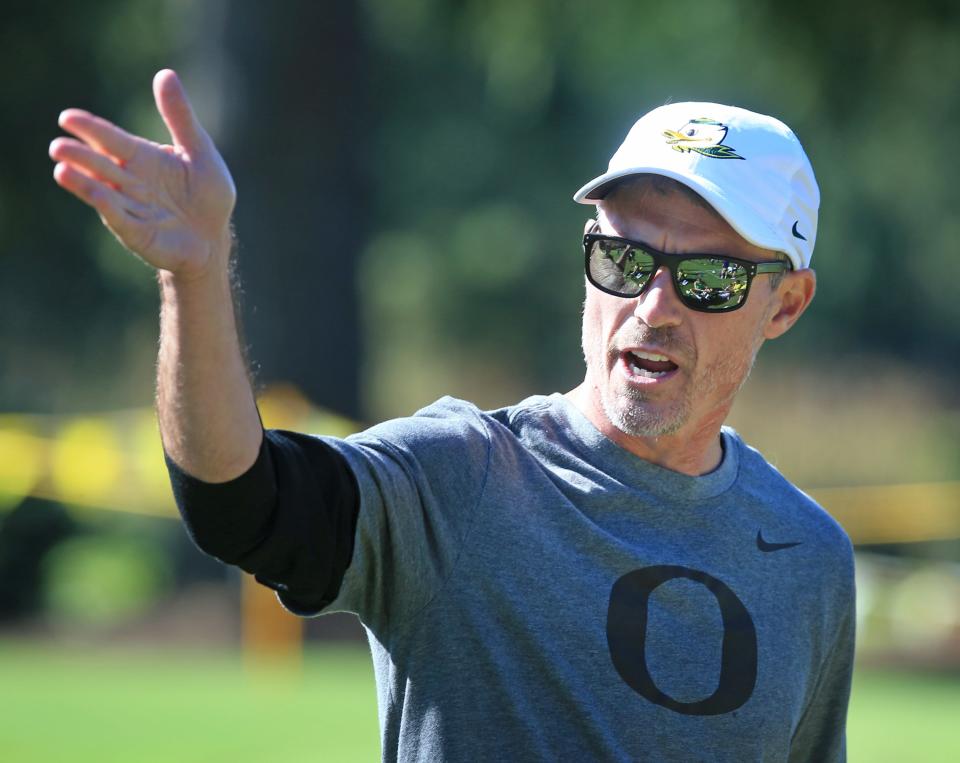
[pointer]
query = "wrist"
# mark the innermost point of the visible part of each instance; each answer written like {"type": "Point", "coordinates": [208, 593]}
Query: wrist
{"type": "Point", "coordinates": [212, 264]}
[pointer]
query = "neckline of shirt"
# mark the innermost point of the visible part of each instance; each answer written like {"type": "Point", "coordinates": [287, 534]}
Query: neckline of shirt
{"type": "Point", "coordinates": [604, 454]}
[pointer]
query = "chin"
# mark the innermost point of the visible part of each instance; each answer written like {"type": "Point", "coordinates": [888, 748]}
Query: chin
{"type": "Point", "coordinates": [644, 420]}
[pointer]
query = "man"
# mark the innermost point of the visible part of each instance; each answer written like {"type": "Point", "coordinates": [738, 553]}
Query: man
{"type": "Point", "coordinates": [603, 575]}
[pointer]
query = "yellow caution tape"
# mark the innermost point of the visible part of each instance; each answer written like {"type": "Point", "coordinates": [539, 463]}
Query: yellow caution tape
{"type": "Point", "coordinates": [114, 462]}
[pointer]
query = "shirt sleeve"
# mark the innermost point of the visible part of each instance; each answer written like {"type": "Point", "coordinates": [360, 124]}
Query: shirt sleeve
{"type": "Point", "coordinates": [289, 520]}
{"type": "Point", "coordinates": [821, 733]}
{"type": "Point", "coordinates": [420, 481]}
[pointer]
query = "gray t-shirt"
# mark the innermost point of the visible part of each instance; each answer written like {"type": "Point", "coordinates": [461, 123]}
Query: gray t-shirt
{"type": "Point", "coordinates": [531, 591]}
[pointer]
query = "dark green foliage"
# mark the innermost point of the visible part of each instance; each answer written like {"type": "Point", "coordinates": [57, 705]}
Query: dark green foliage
{"type": "Point", "coordinates": [500, 110]}
{"type": "Point", "coordinates": [66, 309]}
{"type": "Point", "coordinates": [475, 123]}
{"type": "Point", "coordinates": [26, 535]}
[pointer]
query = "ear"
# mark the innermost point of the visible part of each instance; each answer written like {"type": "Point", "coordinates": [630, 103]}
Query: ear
{"type": "Point", "coordinates": [791, 298]}
{"type": "Point", "coordinates": [591, 226]}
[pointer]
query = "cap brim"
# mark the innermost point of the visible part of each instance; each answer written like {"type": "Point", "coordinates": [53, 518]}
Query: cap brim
{"type": "Point", "coordinates": [599, 187]}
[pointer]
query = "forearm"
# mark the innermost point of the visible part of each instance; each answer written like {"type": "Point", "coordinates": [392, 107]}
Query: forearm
{"type": "Point", "coordinates": [205, 403]}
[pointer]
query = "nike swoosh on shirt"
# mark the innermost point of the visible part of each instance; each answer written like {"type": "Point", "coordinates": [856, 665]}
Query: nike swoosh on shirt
{"type": "Point", "coordinates": [767, 547]}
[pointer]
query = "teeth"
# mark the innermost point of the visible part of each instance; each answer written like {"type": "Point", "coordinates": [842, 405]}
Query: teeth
{"type": "Point", "coordinates": [649, 356]}
{"type": "Point", "coordinates": [644, 372]}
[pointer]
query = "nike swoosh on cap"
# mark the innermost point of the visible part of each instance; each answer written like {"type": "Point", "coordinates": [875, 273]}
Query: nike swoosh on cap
{"type": "Point", "coordinates": [768, 547]}
{"type": "Point", "coordinates": [797, 233]}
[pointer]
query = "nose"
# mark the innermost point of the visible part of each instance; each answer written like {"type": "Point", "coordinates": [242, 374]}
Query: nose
{"type": "Point", "coordinates": [659, 305]}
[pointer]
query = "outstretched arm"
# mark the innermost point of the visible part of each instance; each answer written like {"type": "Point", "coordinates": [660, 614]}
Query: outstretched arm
{"type": "Point", "coordinates": [284, 506]}
{"type": "Point", "coordinates": [171, 205]}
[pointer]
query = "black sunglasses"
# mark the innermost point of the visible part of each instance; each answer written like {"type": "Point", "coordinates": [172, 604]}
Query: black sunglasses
{"type": "Point", "coordinates": [709, 283]}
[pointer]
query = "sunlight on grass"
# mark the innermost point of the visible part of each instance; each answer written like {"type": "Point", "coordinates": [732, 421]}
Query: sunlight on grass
{"type": "Point", "coordinates": [83, 705]}
{"type": "Point", "coordinates": [897, 717]}
{"type": "Point", "coordinates": [136, 705]}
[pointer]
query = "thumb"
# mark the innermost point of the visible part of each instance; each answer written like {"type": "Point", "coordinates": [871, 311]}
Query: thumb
{"type": "Point", "coordinates": [177, 113]}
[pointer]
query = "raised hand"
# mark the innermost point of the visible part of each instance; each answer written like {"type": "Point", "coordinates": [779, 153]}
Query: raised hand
{"type": "Point", "coordinates": [169, 204]}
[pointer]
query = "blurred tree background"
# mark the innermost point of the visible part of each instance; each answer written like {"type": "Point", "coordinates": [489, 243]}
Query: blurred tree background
{"type": "Point", "coordinates": [405, 171]}
{"type": "Point", "coordinates": [410, 164]}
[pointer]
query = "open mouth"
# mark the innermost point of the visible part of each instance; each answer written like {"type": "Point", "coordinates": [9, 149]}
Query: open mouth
{"type": "Point", "coordinates": [647, 365]}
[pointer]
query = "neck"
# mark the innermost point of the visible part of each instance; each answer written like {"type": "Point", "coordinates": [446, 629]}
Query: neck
{"type": "Point", "coordinates": [694, 450]}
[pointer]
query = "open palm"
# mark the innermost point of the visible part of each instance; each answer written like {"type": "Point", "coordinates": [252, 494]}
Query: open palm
{"type": "Point", "coordinates": [169, 204]}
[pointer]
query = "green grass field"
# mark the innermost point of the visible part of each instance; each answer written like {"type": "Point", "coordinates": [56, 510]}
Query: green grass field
{"type": "Point", "coordinates": [139, 706]}
{"type": "Point", "coordinates": [62, 704]}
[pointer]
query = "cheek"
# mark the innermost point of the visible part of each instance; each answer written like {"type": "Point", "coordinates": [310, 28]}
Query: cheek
{"type": "Point", "coordinates": [595, 325]}
{"type": "Point", "coordinates": [604, 311]}
{"type": "Point", "coordinates": [728, 354]}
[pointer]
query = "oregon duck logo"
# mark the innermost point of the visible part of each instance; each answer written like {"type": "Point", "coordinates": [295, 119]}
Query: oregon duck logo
{"type": "Point", "coordinates": [702, 136]}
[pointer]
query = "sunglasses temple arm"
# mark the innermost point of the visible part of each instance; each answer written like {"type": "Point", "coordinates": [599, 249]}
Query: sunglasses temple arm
{"type": "Point", "coordinates": [771, 267]}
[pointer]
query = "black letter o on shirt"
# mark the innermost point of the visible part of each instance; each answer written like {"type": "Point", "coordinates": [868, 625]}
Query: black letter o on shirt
{"type": "Point", "coordinates": [627, 636]}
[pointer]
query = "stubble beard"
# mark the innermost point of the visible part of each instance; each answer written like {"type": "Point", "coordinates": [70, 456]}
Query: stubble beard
{"type": "Point", "coordinates": [636, 413]}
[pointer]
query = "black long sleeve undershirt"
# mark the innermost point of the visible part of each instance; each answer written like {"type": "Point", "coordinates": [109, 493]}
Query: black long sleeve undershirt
{"type": "Point", "coordinates": [289, 519]}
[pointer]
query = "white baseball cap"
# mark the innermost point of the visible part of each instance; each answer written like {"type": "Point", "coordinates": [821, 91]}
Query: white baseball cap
{"type": "Point", "coordinates": [749, 167]}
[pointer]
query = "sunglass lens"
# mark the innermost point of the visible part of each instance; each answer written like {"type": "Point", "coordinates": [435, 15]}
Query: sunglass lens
{"type": "Point", "coordinates": [712, 283]}
{"type": "Point", "coordinates": [620, 268]}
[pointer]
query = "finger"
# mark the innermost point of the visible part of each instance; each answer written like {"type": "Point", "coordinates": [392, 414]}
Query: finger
{"type": "Point", "coordinates": [80, 156]}
{"type": "Point", "coordinates": [177, 113]}
{"type": "Point", "coordinates": [122, 215]}
{"type": "Point", "coordinates": [100, 134]}
{"type": "Point", "coordinates": [94, 192]}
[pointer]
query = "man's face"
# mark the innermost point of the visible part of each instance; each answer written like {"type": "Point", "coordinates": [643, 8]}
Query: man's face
{"type": "Point", "coordinates": [654, 367]}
